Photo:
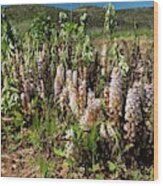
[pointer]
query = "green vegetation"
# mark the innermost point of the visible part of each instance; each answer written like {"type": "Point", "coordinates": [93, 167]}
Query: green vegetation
{"type": "Point", "coordinates": [143, 17]}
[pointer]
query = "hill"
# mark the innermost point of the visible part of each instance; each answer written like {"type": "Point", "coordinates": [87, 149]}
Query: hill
{"type": "Point", "coordinates": [21, 16]}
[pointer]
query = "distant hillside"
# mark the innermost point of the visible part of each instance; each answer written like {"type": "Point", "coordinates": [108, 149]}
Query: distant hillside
{"type": "Point", "coordinates": [21, 16]}
{"type": "Point", "coordinates": [19, 13]}
{"type": "Point", "coordinates": [143, 17]}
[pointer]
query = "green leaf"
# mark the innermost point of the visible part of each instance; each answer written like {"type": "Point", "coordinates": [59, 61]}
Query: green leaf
{"type": "Point", "coordinates": [77, 131]}
{"type": "Point", "coordinates": [128, 147]}
{"type": "Point", "coordinates": [112, 166]}
{"type": "Point", "coordinates": [43, 167]}
{"type": "Point", "coordinates": [100, 176]}
{"type": "Point", "coordinates": [59, 152]}
{"type": "Point", "coordinates": [18, 119]}
{"type": "Point", "coordinates": [92, 138]}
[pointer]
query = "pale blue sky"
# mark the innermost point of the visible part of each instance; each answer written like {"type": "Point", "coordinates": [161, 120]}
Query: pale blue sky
{"type": "Point", "coordinates": [118, 5]}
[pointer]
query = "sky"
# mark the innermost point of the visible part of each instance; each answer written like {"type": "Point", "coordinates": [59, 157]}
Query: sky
{"type": "Point", "coordinates": [118, 5]}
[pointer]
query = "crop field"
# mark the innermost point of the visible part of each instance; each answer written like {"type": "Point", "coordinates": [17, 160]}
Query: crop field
{"type": "Point", "coordinates": [77, 103]}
